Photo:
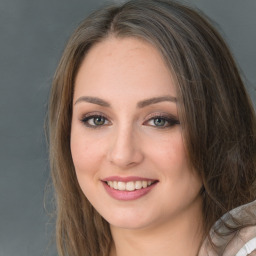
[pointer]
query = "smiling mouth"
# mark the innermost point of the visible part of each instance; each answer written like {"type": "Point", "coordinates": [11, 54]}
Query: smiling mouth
{"type": "Point", "coordinates": [130, 185]}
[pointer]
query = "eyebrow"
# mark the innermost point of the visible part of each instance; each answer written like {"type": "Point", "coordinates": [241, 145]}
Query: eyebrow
{"type": "Point", "coordinates": [93, 100]}
{"type": "Point", "coordinates": [140, 104]}
{"type": "Point", "coordinates": [155, 100]}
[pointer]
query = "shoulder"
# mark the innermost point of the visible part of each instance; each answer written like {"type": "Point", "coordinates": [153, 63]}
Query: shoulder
{"type": "Point", "coordinates": [239, 243]}
{"type": "Point", "coordinates": [253, 253]}
{"type": "Point", "coordinates": [244, 244]}
{"type": "Point", "coordinates": [248, 249]}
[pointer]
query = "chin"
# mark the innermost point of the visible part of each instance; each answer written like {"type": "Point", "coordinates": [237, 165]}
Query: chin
{"type": "Point", "coordinates": [130, 220]}
{"type": "Point", "coordinates": [124, 224]}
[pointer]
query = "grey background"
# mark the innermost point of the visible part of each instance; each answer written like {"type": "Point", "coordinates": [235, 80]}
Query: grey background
{"type": "Point", "coordinates": [32, 37]}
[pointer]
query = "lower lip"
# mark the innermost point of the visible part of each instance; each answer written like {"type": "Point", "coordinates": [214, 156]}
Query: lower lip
{"type": "Point", "coordinates": [127, 195]}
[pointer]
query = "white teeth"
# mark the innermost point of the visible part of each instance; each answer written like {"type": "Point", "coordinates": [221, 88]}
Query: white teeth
{"type": "Point", "coordinates": [120, 185]}
{"type": "Point", "coordinates": [144, 184]}
{"type": "Point", "coordinates": [114, 185]}
{"type": "Point", "coordinates": [138, 184]}
{"type": "Point", "coordinates": [130, 185]}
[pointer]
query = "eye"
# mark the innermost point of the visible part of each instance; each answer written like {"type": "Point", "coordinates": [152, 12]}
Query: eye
{"type": "Point", "coordinates": [162, 121]}
{"type": "Point", "coordinates": [159, 121]}
{"type": "Point", "coordinates": [95, 121]}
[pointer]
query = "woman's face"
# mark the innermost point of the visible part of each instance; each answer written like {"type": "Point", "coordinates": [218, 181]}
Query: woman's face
{"type": "Point", "coordinates": [126, 138]}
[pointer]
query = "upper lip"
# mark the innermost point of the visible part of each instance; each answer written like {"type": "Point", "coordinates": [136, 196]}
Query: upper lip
{"type": "Point", "coordinates": [127, 179]}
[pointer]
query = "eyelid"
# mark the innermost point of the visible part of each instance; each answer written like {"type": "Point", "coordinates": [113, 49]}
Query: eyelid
{"type": "Point", "coordinates": [173, 120]}
{"type": "Point", "coordinates": [92, 115]}
{"type": "Point", "coordinates": [161, 114]}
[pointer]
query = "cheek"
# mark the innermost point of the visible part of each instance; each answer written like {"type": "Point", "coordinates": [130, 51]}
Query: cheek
{"type": "Point", "coordinates": [169, 151]}
{"type": "Point", "coordinates": [85, 155]}
{"type": "Point", "coordinates": [81, 152]}
{"type": "Point", "coordinates": [171, 159]}
{"type": "Point", "coordinates": [85, 151]}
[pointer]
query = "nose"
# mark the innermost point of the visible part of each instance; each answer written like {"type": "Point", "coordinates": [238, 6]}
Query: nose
{"type": "Point", "coordinates": [125, 151]}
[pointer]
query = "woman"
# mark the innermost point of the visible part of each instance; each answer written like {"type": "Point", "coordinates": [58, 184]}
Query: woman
{"type": "Point", "coordinates": [152, 137]}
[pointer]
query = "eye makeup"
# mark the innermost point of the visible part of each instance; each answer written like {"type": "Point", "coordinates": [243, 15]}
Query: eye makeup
{"type": "Point", "coordinates": [95, 120]}
{"type": "Point", "coordinates": [157, 120]}
{"type": "Point", "coordinates": [161, 120]}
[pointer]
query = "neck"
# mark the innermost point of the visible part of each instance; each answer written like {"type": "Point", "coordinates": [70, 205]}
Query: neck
{"type": "Point", "coordinates": [179, 236]}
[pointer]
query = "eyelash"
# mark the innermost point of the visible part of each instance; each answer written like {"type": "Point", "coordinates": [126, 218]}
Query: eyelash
{"type": "Point", "coordinates": [169, 121]}
{"type": "Point", "coordinates": [85, 120]}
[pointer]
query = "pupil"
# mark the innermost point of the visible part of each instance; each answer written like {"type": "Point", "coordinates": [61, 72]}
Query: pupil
{"type": "Point", "coordinates": [159, 122]}
{"type": "Point", "coordinates": [99, 120]}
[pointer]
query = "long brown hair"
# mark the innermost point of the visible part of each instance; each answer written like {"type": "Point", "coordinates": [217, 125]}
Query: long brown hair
{"type": "Point", "coordinates": [218, 120]}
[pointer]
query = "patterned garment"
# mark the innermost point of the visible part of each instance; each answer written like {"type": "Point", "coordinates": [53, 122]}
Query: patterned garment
{"type": "Point", "coordinates": [243, 243]}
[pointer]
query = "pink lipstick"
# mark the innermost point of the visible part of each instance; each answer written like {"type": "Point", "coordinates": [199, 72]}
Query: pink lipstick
{"type": "Point", "coordinates": [128, 188]}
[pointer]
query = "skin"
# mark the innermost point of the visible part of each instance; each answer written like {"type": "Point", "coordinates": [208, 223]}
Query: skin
{"type": "Point", "coordinates": [167, 220]}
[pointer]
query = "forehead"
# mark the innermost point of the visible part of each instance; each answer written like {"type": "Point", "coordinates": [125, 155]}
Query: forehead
{"type": "Point", "coordinates": [122, 65]}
